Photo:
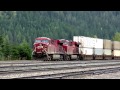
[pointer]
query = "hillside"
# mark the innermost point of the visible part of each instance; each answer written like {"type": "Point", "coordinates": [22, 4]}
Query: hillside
{"type": "Point", "coordinates": [20, 25]}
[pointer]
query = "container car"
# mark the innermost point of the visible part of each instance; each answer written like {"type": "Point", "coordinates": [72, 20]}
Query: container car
{"type": "Point", "coordinates": [107, 49]}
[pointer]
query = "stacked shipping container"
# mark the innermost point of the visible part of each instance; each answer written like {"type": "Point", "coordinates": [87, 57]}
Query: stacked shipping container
{"type": "Point", "coordinates": [86, 46]}
{"type": "Point", "coordinates": [98, 49]}
{"type": "Point", "coordinates": [90, 47]}
{"type": "Point", "coordinates": [107, 48]}
{"type": "Point", "coordinates": [116, 49]}
{"type": "Point", "coordinates": [94, 48]}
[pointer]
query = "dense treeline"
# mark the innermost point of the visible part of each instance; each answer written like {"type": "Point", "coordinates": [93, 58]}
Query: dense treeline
{"type": "Point", "coordinates": [20, 25]}
{"type": "Point", "coordinates": [9, 51]}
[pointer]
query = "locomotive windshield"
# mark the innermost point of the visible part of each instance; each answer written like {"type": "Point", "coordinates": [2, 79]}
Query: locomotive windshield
{"type": "Point", "coordinates": [41, 41]}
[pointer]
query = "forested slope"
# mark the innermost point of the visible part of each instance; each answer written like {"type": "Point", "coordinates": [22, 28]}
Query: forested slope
{"type": "Point", "coordinates": [20, 25]}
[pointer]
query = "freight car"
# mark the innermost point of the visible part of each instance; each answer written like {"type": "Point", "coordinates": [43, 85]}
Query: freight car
{"type": "Point", "coordinates": [80, 48]}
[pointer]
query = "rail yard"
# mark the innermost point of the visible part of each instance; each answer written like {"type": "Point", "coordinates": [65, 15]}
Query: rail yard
{"type": "Point", "coordinates": [82, 58]}
{"type": "Point", "coordinates": [34, 69]}
{"type": "Point", "coordinates": [59, 45]}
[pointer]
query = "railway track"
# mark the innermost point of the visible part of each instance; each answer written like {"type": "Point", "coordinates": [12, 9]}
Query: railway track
{"type": "Point", "coordinates": [40, 66]}
{"type": "Point", "coordinates": [40, 61]}
{"type": "Point", "coordinates": [61, 70]}
{"type": "Point", "coordinates": [48, 68]}
{"type": "Point", "coordinates": [80, 73]}
{"type": "Point", "coordinates": [28, 63]}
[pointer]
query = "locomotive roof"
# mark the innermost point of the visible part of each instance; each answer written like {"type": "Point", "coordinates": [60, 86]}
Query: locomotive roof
{"type": "Point", "coordinates": [43, 38]}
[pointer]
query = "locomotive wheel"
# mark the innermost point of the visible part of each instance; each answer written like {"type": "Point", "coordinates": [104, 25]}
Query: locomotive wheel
{"type": "Point", "coordinates": [68, 58]}
{"type": "Point", "coordinates": [78, 58]}
{"type": "Point", "coordinates": [61, 58]}
{"type": "Point", "coordinates": [49, 58]}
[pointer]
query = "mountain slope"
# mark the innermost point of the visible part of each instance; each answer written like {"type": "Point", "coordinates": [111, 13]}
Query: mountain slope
{"type": "Point", "coordinates": [20, 25]}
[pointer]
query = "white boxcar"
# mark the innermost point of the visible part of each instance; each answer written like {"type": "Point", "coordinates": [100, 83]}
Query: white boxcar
{"type": "Point", "coordinates": [116, 52]}
{"type": "Point", "coordinates": [86, 51]}
{"type": "Point", "coordinates": [76, 38]}
{"type": "Point", "coordinates": [85, 41]}
{"type": "Point", "coordinates": [107, 52]}
{"type": "Point", "coordinates": [98, 51]}
{"type": "Point", "coordinates": [88, 42]}
{"type": "Point", "coordinates": [98, 43]}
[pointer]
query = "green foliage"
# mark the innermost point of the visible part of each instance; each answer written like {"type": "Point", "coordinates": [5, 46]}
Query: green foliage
{"type": "Point", "coordinates": [15, 52]}
{"type": "Point", "coordinates": [6, 49]}
{"type": "Point", "coordinates": [94, 36]}
{"type": "Point", "coordinates": [1, 40]}
{"type": "Point", "coordinates": [116, 37]}
{"type": "Point", "coordinates": [10, 51]}
{"type": "Point", "coordinates": [1, 45]}
{"type": "Point", "coordinates": [25, 50]}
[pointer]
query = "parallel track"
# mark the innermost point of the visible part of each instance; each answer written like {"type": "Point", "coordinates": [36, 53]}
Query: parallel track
{"type": "Point", "coordinates": [27, 63]}
{"type": "Point", "coordinates": [42, 67]}
{"type": "Point", "coordinates": [52, 68]}
{"type": "Point", "coordinates": [80, 73]}
{"type": "Point", "coordinates": [40, 61]}
{"type": "Point", "coordinates": [59, 71]}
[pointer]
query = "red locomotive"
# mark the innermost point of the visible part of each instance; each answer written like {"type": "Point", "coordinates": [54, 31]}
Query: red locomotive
{"type": "Point", "coordinates": [51, 49]}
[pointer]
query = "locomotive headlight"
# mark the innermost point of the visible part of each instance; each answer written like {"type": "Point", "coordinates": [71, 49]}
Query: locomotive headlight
{"type": "Point", "coordinates": [39, 47]}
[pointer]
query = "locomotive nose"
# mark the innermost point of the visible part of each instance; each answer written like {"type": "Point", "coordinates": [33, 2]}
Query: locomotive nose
{"type": "Point", "coordinates": [40, 46]}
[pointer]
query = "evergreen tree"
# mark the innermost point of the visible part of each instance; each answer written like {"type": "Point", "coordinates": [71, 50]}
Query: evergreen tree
{"type": "Point", "coordinates": [15, 53]}
{"type": "Point", "coordinates": [6, 49]}
{"type": "Point", "coordinates": [25, 50]}
{"type": "Point", "coordinates": [116, 37]}
{"type": "Point", "coordinates": [1, 46]}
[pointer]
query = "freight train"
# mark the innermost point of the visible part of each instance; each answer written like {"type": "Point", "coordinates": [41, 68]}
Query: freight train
{"type": "Point", "coordinates": [80, 48]}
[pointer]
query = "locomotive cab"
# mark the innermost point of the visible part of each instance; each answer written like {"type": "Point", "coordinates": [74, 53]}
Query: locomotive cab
{"type": "Point", "coordinates": [40, 45]}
